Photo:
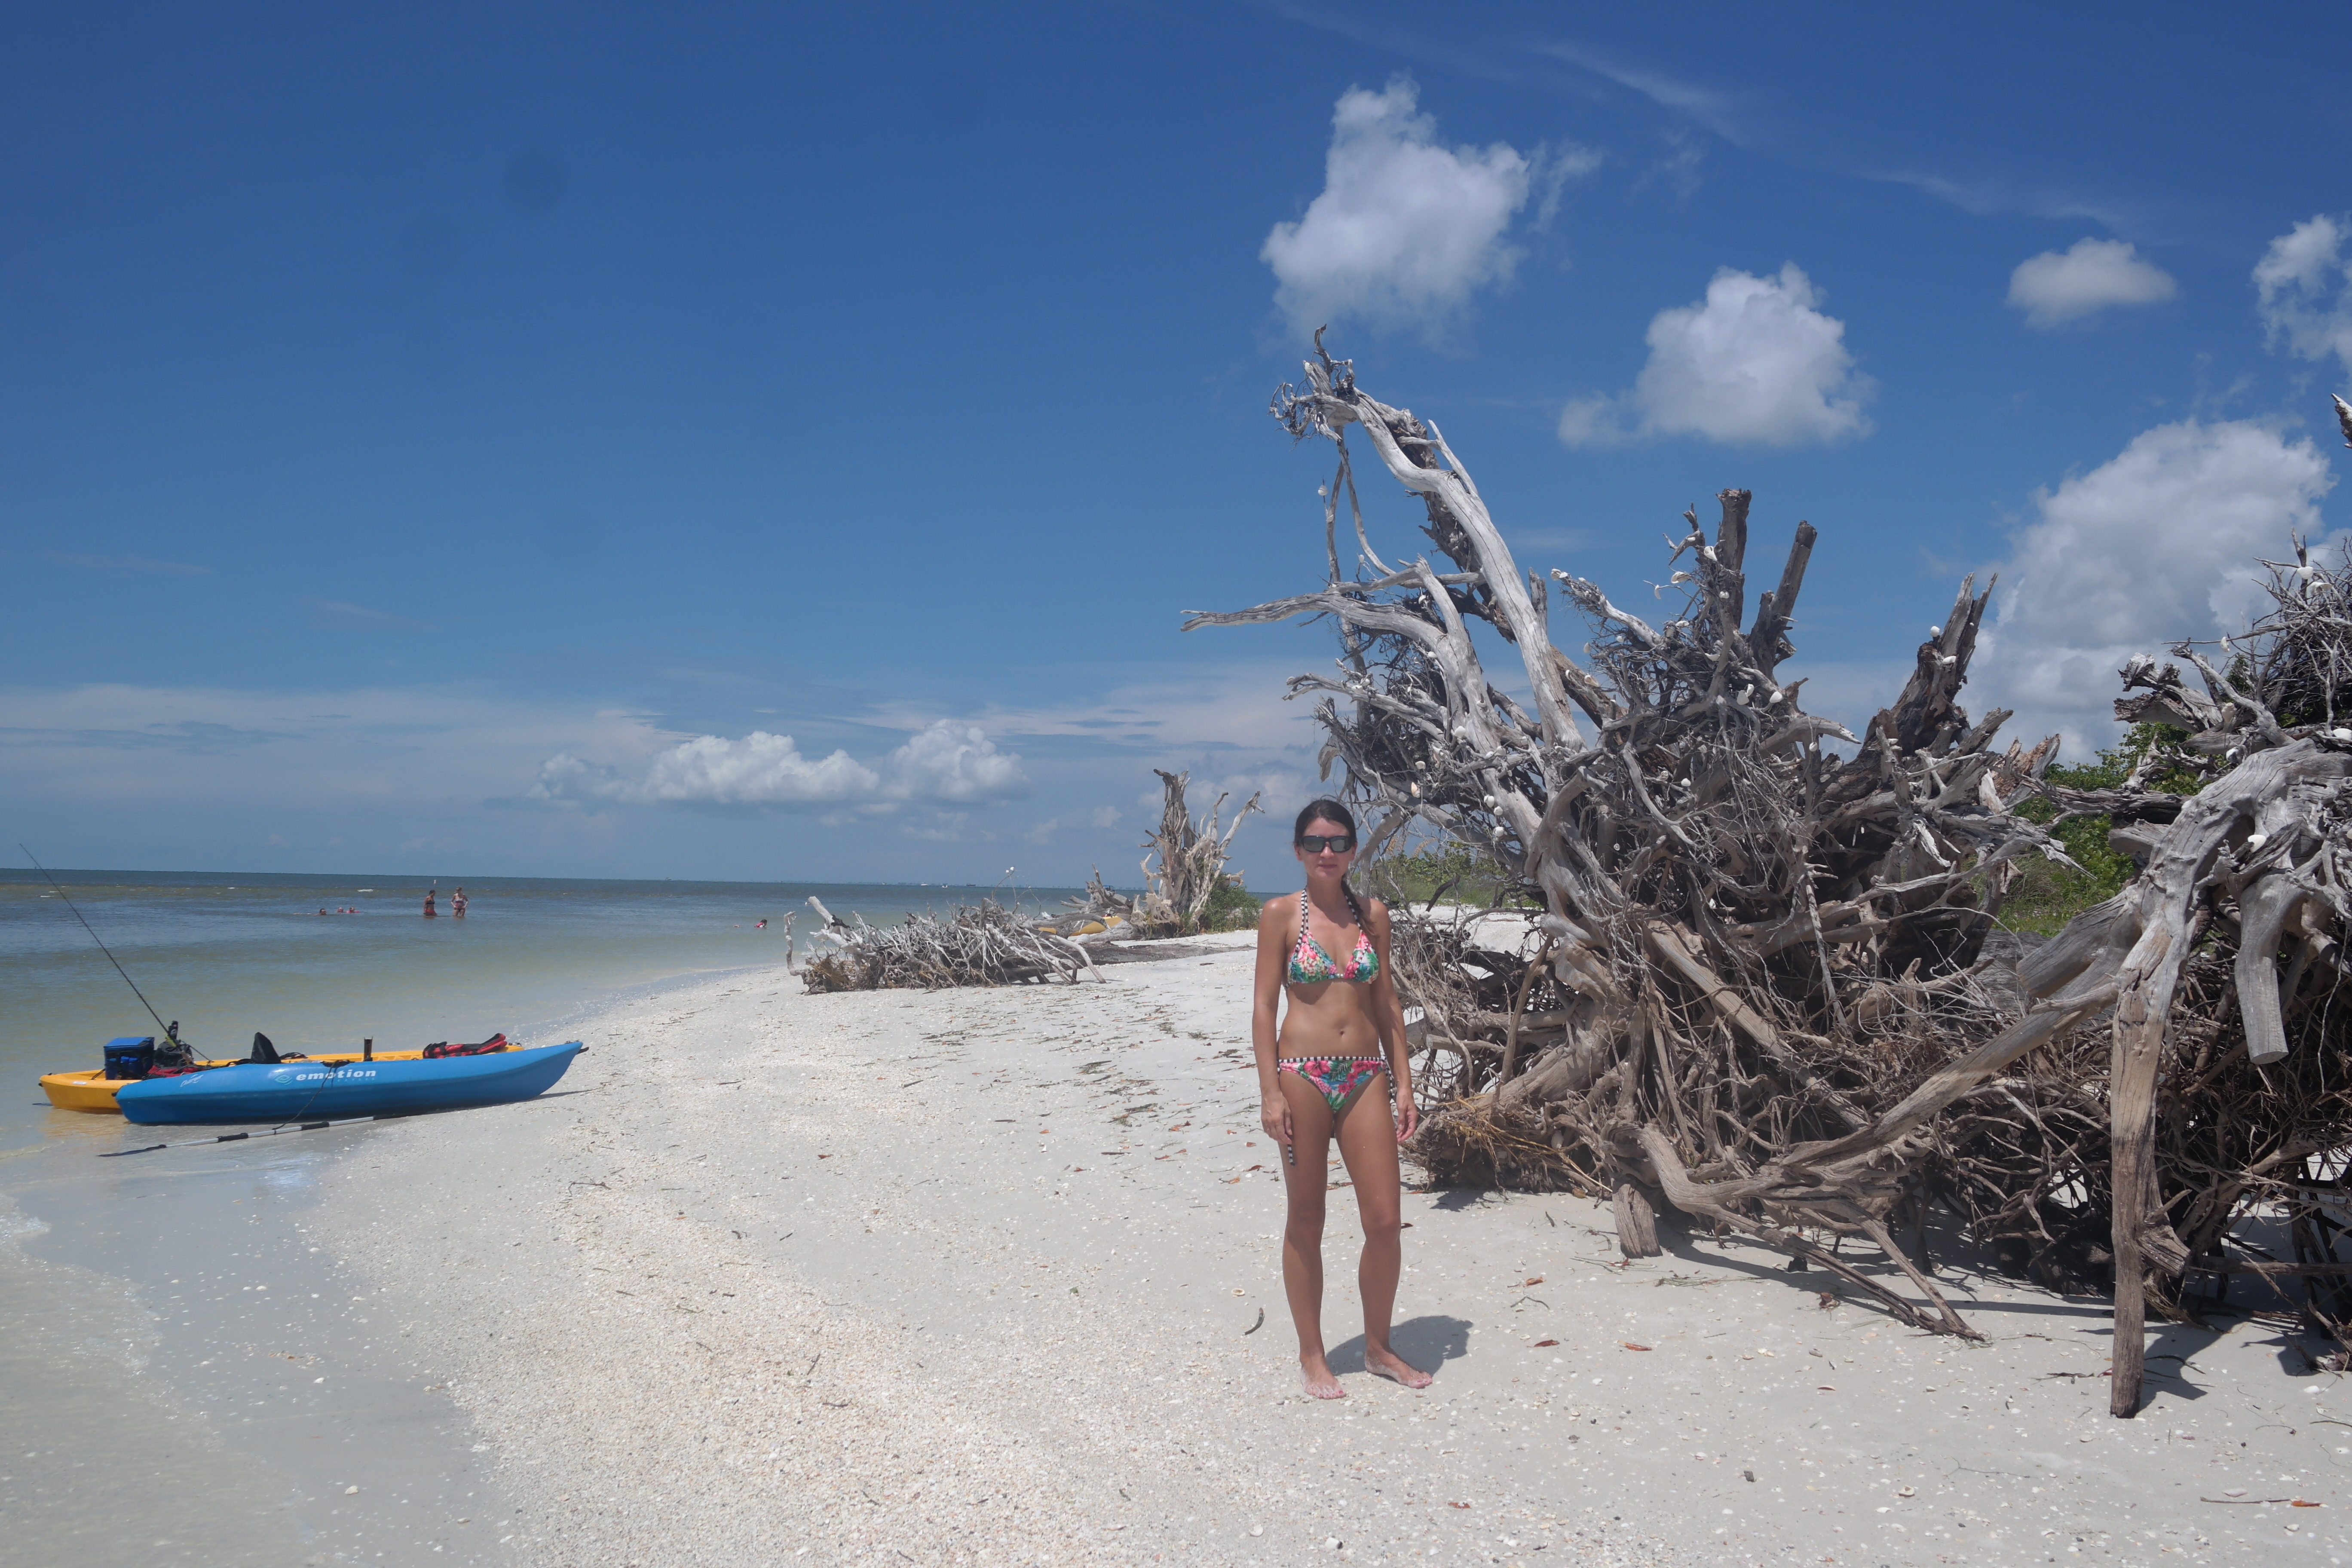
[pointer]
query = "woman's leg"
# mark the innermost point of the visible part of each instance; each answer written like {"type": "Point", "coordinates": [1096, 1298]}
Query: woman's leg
{"type": "Point", "coordinates": [1369, 1146]}
{"type": "Point", "coordinates": [1303, 1178]}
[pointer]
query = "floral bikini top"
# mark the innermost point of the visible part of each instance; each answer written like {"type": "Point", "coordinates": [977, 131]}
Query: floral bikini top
{"type": "Point", "coordinates": [1310, 965]}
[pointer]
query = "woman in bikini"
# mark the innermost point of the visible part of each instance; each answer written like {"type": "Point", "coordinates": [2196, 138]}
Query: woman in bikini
{"type": "Point", "coordinates": [1340, 1042]}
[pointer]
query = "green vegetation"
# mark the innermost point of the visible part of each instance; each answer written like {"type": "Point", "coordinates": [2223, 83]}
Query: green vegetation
{"type": "Point", "coordinates": [1230, 907]}
{"type": "Point", "coordinates": [1441, 868]}
{"type": "Point", "coordinates": [2050, 895]}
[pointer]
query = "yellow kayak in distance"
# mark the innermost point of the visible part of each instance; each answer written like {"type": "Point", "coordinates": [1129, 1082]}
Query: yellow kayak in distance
{"type": "Point", "coordinates": [90, 1090]}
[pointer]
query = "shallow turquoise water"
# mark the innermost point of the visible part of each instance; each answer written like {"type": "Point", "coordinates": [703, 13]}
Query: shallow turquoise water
{"type": "Point", "coordinates": [141, 1360]}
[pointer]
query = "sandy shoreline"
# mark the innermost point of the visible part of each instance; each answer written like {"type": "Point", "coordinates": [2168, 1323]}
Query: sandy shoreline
{"type": "Point", "coordinates": [186, 1376]}
{"type": "Point", "coordinates": [965, 1277]}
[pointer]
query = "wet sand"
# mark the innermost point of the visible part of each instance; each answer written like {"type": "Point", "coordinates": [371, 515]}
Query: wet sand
{"type": "Point", "coordinates": [977, 1276]}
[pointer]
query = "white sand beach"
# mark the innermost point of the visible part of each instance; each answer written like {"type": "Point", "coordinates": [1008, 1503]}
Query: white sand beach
{"type": "Point", "coordinates": [972, 1278]}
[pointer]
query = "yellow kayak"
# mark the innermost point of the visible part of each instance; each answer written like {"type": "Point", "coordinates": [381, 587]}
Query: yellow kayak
{"type": "Point", "coordinates": [92, 1091]}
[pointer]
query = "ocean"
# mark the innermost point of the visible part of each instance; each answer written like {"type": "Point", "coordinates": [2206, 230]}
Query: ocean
{"type": "Point", "coordinates": [226, 954]}
{"type": "Point", "coordinates": [152, 1307]}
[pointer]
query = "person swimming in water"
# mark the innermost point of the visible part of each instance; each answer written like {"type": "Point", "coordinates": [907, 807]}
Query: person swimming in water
{"type": "Point", "coordinates": [458, 903]}
{"type": "Point", "coordinates": [430, 912]}
{"type": "Point", "coordinates": [1338, 1040]}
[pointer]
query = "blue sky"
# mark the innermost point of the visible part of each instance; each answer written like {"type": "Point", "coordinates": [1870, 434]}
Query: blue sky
{"type": "Point", "coordinates": [757, 442]}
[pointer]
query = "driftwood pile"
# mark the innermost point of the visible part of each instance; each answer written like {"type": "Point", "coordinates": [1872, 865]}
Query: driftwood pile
{"type": "Point", "coordinates": [979, 944]}
{"type": "Point", "coordinates": [988, 945]}
{"type": "Point", "coordinates": [1758, 985]}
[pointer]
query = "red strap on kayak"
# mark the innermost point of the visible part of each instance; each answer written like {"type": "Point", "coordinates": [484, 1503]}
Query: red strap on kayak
{"type": "Point", "coordinates": [444, 1048]}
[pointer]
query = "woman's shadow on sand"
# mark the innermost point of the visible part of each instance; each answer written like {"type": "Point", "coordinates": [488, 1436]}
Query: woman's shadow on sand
{"type": "Point", "coordinates": [1428, 1343]}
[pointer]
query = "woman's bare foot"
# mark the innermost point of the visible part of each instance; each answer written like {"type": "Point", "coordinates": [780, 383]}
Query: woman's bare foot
{"type": "Point", "coordinates": [1395, 1368]}
{"type": "Point", "coordinates": [1320, 1384]}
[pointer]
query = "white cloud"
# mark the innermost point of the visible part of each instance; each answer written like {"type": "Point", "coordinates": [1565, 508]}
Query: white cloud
{"type": "Point", "coordinates": [946, 760]}
{"type": "Point", "coordinates": [1405, 229]}
{"type": "Point", "coordinates": [957, 761]}
{"type": "Point", "coordinates": [1755, 363]}
{"type": "Point", "coordinates": [1105, 816]}
{"type": "Point", "coordinates": [2295, 280]}
{"type": "Point", "coordinates": [394, 772]}
{"type": "Point", "coordinates": [1167, 719]}
{"type": "Point", "coordinates": [1280, 791]}
{"type": "Point", "coordinates": [432, 778]}
{"type": "Point", "coordinates": [1987, 197]}
{"type": "Point", "coordinates": [566, 778]}
{"type": "Point", "coordinates": [759, 768]}
{"type": "Point", "coordinates": [1715, 110]}
{"type": "Point", "coordinates": [2156, 544]}
{"type": "Point", "coordinates": [442, 776]}
{"type": "Point", "coordinates": [2057, 287]}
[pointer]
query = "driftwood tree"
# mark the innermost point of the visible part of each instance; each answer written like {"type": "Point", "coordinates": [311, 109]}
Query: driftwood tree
{"type": "Point", "coordinates": [1761, 990]}
{"type": "Point", "coordinates": [1184, 861]}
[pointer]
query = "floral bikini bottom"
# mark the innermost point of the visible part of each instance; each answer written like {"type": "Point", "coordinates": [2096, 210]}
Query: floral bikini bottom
{"type": "Point", "coordinates": [1336, 1078]}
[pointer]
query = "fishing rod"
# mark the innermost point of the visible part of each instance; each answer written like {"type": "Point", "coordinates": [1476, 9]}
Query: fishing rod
{"type": "Point", "coordinates": [44, 870]}
{"type": "Point", "coordinates": [233, 1137]}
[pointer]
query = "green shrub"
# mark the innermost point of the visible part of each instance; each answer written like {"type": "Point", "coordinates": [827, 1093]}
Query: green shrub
{"type": "Point", "coordinates": [1444, 868]}
{"type": "Point", "coordinates": [2050, 895]}
{"type": "Point", "coordinates": [1230, 907]}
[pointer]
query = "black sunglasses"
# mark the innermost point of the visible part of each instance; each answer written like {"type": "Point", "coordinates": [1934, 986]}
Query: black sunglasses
{"type": "Point", "coordinates": [1337, 842]}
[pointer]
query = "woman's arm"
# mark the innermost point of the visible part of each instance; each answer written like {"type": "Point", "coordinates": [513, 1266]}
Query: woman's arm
{"type": "Point", "coordinates": [1266, 1015]}
{"type": "Point", "coordinates": [1388, 1015]}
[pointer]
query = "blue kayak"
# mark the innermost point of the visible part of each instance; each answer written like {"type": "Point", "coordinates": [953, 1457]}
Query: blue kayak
{"type": "Point", "coordinates": [326, 1091]}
